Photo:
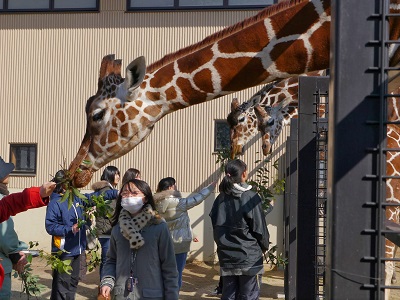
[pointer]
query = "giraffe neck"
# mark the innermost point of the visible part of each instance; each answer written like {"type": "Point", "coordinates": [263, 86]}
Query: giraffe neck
{"type": "Point", "coordinates": [269, 48]}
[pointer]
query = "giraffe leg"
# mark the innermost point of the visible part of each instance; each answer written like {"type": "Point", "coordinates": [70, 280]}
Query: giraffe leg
{"type": "Point", "coordinates": [394, 279]}
{"type": "Point", "coordinates": [389, 267]}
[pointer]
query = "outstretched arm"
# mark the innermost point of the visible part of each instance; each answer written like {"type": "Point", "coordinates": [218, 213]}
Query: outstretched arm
{"type": "Point", "coordinates": [196, 199]}
{"type": "Point", "coordinates": [27, 199]}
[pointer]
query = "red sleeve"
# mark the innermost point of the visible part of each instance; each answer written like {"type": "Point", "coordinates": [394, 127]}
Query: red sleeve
{"type": "Point", "coordinates": [18, 202]}
{"type": "Point", "coordinates": [1, 276]}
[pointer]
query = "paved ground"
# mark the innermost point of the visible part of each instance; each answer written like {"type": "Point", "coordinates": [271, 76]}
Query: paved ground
{"type": "Point", "coordinates": [199, 280]}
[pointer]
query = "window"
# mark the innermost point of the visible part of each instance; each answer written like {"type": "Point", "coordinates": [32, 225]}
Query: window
{"type": "Point", "coordinates": [23, 156]}
{"type": "Point", "coordinates": [221, 134]}
{"type": "Point", "coordinates": [135, 5]}
{"type": "Point", "coordinates": [48, 5]}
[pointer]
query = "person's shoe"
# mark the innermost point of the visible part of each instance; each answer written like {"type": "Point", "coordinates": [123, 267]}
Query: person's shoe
{"type": "Point", "coordinates": [217, 291]}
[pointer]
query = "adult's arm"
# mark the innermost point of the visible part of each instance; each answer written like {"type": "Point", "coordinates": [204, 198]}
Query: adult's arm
{"type": "Point", "coordinates": [196, 199]}
{"type": "Point", "coordinates": [18, 202]}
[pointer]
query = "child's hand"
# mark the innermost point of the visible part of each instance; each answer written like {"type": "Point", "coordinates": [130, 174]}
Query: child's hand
{"type": "Point", "coordinates": [19, 266]}
{"type": "Point", "coordinates": [105, 291]}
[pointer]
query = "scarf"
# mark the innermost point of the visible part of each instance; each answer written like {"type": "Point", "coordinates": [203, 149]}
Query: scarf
{"type": "Point", "coordinates": [3, 189]}
{"type": "Point", "coordinates": [132, 226]}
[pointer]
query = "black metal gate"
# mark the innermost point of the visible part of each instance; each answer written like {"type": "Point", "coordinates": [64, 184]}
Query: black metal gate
{"type": "Point", "coordinates": [335, 231]}
{"type": "Point", "coordinates": [306, 184]}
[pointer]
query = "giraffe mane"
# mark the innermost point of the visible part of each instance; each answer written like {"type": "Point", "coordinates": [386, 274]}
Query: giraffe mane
{"type": "Point", "coordinates": [266, 12]}
{"type": "Point", "coordinates": [252, 102]}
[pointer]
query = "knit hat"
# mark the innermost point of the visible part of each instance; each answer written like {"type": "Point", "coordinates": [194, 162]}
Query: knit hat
{"type": "Point", "coordinates": [5, 168]}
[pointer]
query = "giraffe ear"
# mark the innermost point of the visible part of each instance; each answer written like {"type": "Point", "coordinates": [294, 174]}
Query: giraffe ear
{"type": "Point", "coordinates": [135, 73]}
{"type": "Point", "coordinates": [255, 100]}
{"type": "Point", "coordinates": [234, 104]}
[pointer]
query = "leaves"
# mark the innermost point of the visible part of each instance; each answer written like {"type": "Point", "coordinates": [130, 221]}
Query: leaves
{"type": "Point", "coordinates": [99, 208]}
{"type": "Point", "coordinates": [30, 283]}
{"type": "Point", "coordinates": [277, 260]}
{"type": "Point", "coordinates": [70, 190]}
{"type": "Point", "coordinates": [94, 256]}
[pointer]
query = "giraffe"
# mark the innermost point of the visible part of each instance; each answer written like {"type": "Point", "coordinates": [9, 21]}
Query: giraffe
{"type": "Point", "coordinates": [242, 119]}
{"type": "Point", "coordinates": [275, 43]}
{"type": "Point", "coordinates": [271, 115]}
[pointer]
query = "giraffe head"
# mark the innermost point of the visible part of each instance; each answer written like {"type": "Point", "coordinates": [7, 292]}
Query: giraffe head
{"type": "Point", "coordinates": [109, 130]}
{"type": "Point", "coordinates": [270, 121]}
{"type": "Point", "coordinates": [243, 122]}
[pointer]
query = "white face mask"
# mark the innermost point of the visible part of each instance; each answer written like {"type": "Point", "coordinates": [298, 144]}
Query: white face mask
{"type": "Point", "coordinates": [132, 204]}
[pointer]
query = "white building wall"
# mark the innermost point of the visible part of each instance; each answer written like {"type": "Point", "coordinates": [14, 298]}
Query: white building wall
{"type": "Point", "coordinates": [50, 67]}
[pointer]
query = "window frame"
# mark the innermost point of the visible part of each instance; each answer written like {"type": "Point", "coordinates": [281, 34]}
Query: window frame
{"type": "Point", "coordinates": [51, 8]}
{"type": "Point", "coordinates": [216, 122]}
{"type": "Point", "coordinates": [177, 7]}
{"type": "Point", "coordinates": [13, 159]}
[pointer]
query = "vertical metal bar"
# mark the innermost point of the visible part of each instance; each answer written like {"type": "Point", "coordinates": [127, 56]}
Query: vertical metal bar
{"type": "Point", "coordinates": [311, 221]}
{"type": "Point", "coordinates": [383, 60]}
{"type": "Point", "coordinates": [321, 131]}
{"type": "Point", "coordinates": [351, 263]}
{"type": "Point", "coordinates": [291, 215]}
{"type": "Point", "coordinates": [306, 208]}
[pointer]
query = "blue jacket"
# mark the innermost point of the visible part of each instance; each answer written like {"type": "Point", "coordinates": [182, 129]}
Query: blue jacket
{"type": "Point", "coordinates": [60, 219]}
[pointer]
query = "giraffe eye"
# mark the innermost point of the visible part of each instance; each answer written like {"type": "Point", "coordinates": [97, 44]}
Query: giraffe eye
{"type": "Point", "coordinates": [270, 122]}
{"type": "Point", "coordinates": [241, 119]}
{"type": "Point", "coordinates": [99, 116]}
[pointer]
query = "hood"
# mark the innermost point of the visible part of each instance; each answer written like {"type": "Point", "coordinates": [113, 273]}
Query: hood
{"type": "Point", "coordinates": [165, 194]}
{"type": "Point", "coordinates": [101, 185]}
{"type": "Point", "coordinates": [240, 188]}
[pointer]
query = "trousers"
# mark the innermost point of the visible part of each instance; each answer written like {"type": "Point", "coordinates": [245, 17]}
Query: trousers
{"type": "Point", "coordinates": [240, 287]}
{"type": "Point", "coordinates": [64, 286]}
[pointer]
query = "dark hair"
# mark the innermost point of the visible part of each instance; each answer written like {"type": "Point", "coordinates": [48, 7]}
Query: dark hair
{"type": "Point", "coordinates": [233, 174]}
{"type": "Point", "coordinates": [109, 174]}
{"type": "Point", "coordinates": [165, 183]}
{"type": "Point", "coordinates": [143, 187]}
{"type": "Point", "coordinates": [131, 173]}
{"type": "Point", "coordinates": [58, 179]}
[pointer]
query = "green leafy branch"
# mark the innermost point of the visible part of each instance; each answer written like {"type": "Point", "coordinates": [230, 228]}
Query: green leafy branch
{"type": "Point", "coordinates": [67, 184]}
{"type": "Point", "coordinates": [30, 282]}
{"type": "Point", "coordinates": [276, 260]}
{"type": "Point", "coordinates": [223, 156]}
{"type": "Point", "coordinates": [99, 207]}
{"type": "Point", "coordinates": [261, 183]}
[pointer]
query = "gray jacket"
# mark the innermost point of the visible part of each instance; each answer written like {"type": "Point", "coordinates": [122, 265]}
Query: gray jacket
{"type": "Point", "coordinates": [173, 208]}
{"type": "Point", "coordinates": [154, 265]}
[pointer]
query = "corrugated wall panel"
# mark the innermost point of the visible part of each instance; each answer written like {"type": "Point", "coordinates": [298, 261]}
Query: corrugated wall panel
{"type": "Point", "coordinates": [52, 63]}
